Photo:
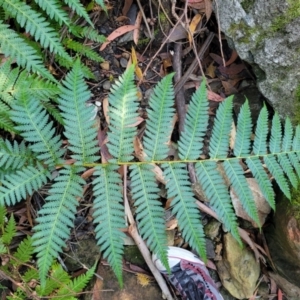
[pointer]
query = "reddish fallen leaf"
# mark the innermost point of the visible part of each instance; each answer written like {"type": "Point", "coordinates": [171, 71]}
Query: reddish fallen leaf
{"type": "Point", "coordinates": [233, 69]}
{"type": "Point", "coordinates": [232, 58]}
{"type": "Point", "coordinates": [217, 58]}
{"type": "Point", "coordinates": [214, 97]}
{"type": "Point", "coordinates": [126, 7]}
{"type": "Point", "coordinates": [279, 294]}
{"type": "Point", "coordinates": [116, 33]}
{"type": "Point", "coordinates": [138, 121]}
{"type": "Point", "coordinates": [98, 286]}
{"type": "Point", "coordinates": [102, 141]}
{"type": "Point", "coordinates": [210, 264]}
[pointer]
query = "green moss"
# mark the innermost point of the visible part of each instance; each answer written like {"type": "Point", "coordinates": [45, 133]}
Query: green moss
{"type": "Point", "coordinates": [294, 205]}
{"type": "Point", "coordinates": [247, 5]}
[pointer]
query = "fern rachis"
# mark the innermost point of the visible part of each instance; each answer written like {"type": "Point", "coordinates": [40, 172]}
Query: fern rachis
{"type": "Point", "coordinates": [43, 153]}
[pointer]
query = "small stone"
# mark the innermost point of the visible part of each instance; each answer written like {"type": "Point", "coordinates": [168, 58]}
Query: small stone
{"type": "Point", "coordinates": [106, 85]}
{"type": "Point", "coordinates": [212, 229]}
{"type": "Point", "coordinates": [105, 66]}
{"type": "Point", "coordinates": [123, 62]}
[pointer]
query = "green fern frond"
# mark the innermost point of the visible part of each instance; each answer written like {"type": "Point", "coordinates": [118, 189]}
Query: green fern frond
{"type": "Point", "coordinates": [244, 129]}
{"type": "Point", "coordinates": [35, 127]}
{"type": "Point", "coordinates": [3, 213]}
{"type": "Point", "coordinates": [109, 216]}
{"type": "Point", "coordinates": [30, 274]}
{"type": "Point", "coordinates": [24, 252]}
{"type": "Point", "coordinates": [35, 24]}
{"type": "Point", "coordinates": [262, 179]}
{"type": "Point", "coordinates": [14, 156]}
{"type": "Point", "coordinates": [82, 49]}
{"type": "Point", "coordinates": [9, 231]}
{"type": "Point", "coordinates": [196, 121]}
{"type": "Point", "coordinates": [261, 132]}
{"type": "Point", "coordinates": [219, 141]}
{"type": "Point", "coordinates": [122, 115]}
{"type": "Point", "coordinates": [159, 122]}
{"type": "Point", "coordinates": [58, 278]}
{"type": "Point", "coordinates": [150, 214]}
{"type": "Point", "coordinates": [79, 9]}
{"type": "Point", "coordinates": [76, 285]}
{"type": "Point", "coordinates": [235, 173]}
{"type": "Point", "coordinates": [18, 185]}
{"type": "Point", "coordinates": [92, 34]}
{"type": "Point", "coordinates": [5, 121]}
{"type": "Point", "coordinates": [56, 218]}
{"type": "Point", "coordinates": [14, 46]}
{"type": "Point", "coordinates": [184, 206]}
{"type": "Point", "coordinates": [78, 117]}
{"type": "Point", "coordinates": [53, 111]}
{"type": "Point", "coordinates": [54, 10]}
{"type": "Point", "coordinates": [216, 192]}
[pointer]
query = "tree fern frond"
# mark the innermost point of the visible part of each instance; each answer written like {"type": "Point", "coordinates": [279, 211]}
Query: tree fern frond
{"type": "Point", "coordinates": [35, 24]}
{"type": "Point", "coordinates": [235, 173]}
{"type": "Point", "coordinates": [244, 130]}
{"type": "Point", "coordinates": [79, 9]}
{"type": "Point", "coordinates": [278, 174]}
{"type": "Point", "coordinates": [78, 117]}
{"type": "Point", "coordinates": [286, 164]}
{"type": "Point", "coordinates": [261, 132]}
{"type": "Point", "coordinates": [295, 162]}
{"type": "Point", "coordinates": [215, 190]}
{"type": "Point", "coordinates": [122, 115]}
{"type": "Point", "coordinates": [109, 216]}
{"type": "Point", "coordinates": [159, 122]}
{"type": "Point", "coordinates": [92, 34]}
{"type": "Point", "coordinates": [54, 10]}
{"type": "Point", "coordinates": [82, 49]}
{"type": "Point", "coordinates": [14, 156]}
{"type": "Point", "coordinates": [288, 136]}
{"type": "Point", "coordinates": [36, 128]}
{"type": "Point", "coordinates": [56, 218]}
{"type": "Point", "coordinates": [219, 141]}
{"type": "Point", "coordinates": [30, 274]}
{"type": "Point", "coordinates": [24, 252]}
{"type": "Point", "coordinates": [18, 185]}
{"type": "Point", "coordinates": [9, 231]}
{"type": "Point", "coordinates": [195, 125]}
{"type": "Point", "coordinates": [276, 135]}
{"type": "Point", "coordinates": [262, 179]}
{"type": "Point", "coordinates": [296, 140]}
{"type": "Point", "coordinates": [14, 46]}
{"type": "Point", "coordinates": [150, 214]}
{"type": "Point", "coordinates": [184, 206]}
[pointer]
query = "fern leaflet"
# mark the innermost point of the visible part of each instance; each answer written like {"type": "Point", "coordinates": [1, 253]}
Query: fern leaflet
{"type": "Point", "coordinates": [184, 206]}
{"type": "Point", "coordinates": [24, 252]}
{"type": "Point", "coordinates": [9, 231]}
{"type": "Point", "coordinates": [150, 214]}
{"type": "Point", "coordinates": [79, 9]}
{"type": "Point", "coordinates": [261, 132]}
{"type": "Point", "coordinates": [78, 117]}
{"type": "Point", "coordinates": [190, 142]}
{"type": "Point", "coordinates": [108, 215]}
{"type": "Point", "coordinates": [159, 122]}
{"type": "Point", "coordinates": [122, 115]}
{"type": "Point", "coordinates": [56, 218]}
{"type": "Point", "coordinates": [214, 188]}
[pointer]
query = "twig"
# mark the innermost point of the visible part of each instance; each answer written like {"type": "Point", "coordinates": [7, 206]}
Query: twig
{"type": "Point", "coordinates": [141, 244]}
{"type": "Point", "coordinates": [219, 33]}
{"type": "Point", "coordinates": [193, 65]}
{"type": "Point", "coordinates": [145, 20]}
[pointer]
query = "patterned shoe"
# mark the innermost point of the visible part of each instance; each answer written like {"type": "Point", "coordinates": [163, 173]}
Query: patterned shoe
{"type": "Point", "coordinates": [189, 275]}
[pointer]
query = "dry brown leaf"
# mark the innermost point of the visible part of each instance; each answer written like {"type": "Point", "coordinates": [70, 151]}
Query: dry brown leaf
{"type": "Point", "coordinates": [228, 87]}
{"type": "Point", "coordinates": [122, 19]}
{"type": "Point", "coordinates": [158, 174]}
{"type": "Point", "coordinates": [138, 149]}
{"type": "Point", "coordinates": [210, 71]}
{"type": "Point", "coordinates": [136, 32]}
{"type": "Point", "coordinates": [105, 109]}
{"type": "Point", "coordinates": [232, 59]}
{"type": "Point", "coordinates": [138, 121]}
{"type": "Point", "coordinates": [197, 4]}
{"type": "Point", "coordinates": [232, 136]}
{"type": "Point", "coordinates": [233, 69]}
{"type": "Point", "coordinates": [116, 33]}
{"type": "Point", "coordinates": [214, 97]}
{"type": "Point", "coordinates": [137, 69]}
{"type": "Point", "coordinates": [172, 224]}
{"type": "Point", "coordinates": [194, 23]}
{"type": "Point", "coordinates": [98, 287]}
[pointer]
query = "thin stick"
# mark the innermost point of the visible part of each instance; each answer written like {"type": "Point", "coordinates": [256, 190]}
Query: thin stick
{"type": "Point", "coordinates": [141, 244]}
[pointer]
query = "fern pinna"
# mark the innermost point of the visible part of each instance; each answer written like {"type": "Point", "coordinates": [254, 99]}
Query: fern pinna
{"type": "Point", "coordinates": [25, 167]}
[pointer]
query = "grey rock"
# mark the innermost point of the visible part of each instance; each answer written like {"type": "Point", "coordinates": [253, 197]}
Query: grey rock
{"type": "Point", "coordinates": [266, 34]}
{"type": "Point", "coordinates": [123, 62]}
{"type": "Point", "coordinates": [106, 84]}
{"type": "Point", "coordinates": [238, 270]}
